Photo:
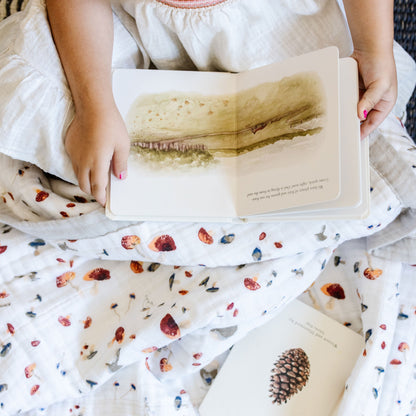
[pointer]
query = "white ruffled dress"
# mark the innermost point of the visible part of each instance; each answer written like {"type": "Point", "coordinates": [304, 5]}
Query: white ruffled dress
{"type": "Point", "coordinates": [225, 35]}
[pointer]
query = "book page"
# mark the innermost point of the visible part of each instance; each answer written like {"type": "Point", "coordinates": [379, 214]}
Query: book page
{"type": "Point", "coordinates": [319, 354]}
{"type": "Point", "coordinates": [288, 134]}
{"type": "Point", "coordinates": [353, 202]}
{"type": "Point", "coordinates": [182, 130]}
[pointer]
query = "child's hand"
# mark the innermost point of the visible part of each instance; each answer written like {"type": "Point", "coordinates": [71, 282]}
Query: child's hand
{"type": "Point", "coordinates": [93, 141]}
{"type": "Point", "coordinates": [378, 88]}
{"type": "Point", "coordinates": [83, 34]}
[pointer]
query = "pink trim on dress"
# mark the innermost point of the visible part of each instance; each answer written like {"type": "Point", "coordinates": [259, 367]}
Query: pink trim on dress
{"type": "Point", "coordinates": [190, 4]}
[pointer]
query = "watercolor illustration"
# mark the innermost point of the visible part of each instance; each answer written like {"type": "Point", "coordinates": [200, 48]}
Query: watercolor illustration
{"type": "Point", "coordinates": [289, 375]}
{"type": "Point", "coordinates": [191, 129]}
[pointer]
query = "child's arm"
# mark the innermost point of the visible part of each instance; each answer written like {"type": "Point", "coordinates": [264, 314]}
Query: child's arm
{"type": "Point", "coordinates": [372, 30]}
{"type": "Point", "coordinates": [97, 136]}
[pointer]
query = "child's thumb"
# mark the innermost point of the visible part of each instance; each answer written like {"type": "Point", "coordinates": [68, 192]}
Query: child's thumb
{"type": "Point", "coordinates": [121, 153]}
{"type": "Point", "coordinates": [368, 101]}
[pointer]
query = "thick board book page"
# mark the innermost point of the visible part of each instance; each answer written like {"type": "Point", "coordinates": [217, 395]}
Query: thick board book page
{"type": "Point", "coordinates": [296, 364]}
{"type": "Point", "coordinates": [200, 140]}
{"type": "Point", "coordinates": [301, 109]}
{"type": "Point", "coordinates": [354, 200]}
{"type": "Point", "coordinates": [171, 175]}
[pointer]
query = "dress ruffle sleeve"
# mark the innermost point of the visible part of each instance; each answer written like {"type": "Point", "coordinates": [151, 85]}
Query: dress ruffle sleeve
{"type": "Point", "coordinates": [35, 100]}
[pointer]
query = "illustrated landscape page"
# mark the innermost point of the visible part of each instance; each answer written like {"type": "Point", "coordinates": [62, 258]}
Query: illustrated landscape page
{"type": "Point", "coordinates": [353, 203]}
{"type": "Point", "coordinates": [219, 145]}
{"type": "Point", "coordinates": [288, 134]}
{"type": "Point", "coordinates": [173, 122]}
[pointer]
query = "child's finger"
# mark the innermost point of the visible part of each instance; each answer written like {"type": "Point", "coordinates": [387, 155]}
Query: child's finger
{"type": "Point", "coordinates": [121, 153]}
{"type": "Point", "coordinates": [99, 180]}
{"type": "Point", "coordinates": [373, 120]}
{"type": "Point", "coordinates": [83, 176]}
{"type": "Point", "coordinates": [369, 100]}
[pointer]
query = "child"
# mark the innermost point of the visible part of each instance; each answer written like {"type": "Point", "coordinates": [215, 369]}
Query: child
{"type": "Point", "coordinates": [97, 135]}
{"type": "Point", "coordinates": [83, 33]}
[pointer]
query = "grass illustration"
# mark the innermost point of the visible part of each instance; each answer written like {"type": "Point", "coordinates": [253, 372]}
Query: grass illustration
{"type": "Point", "coordinates": [193, 129]}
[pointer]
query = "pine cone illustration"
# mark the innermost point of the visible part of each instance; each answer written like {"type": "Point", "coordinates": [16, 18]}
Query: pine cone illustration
{"type": "Point", "coordinates": [289, 375]}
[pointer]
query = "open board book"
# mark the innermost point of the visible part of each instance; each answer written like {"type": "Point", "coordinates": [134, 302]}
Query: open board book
{"type": "Point", "coordinates": [296, 364]}
{"type": "Point", "coordinates": [279, 142]}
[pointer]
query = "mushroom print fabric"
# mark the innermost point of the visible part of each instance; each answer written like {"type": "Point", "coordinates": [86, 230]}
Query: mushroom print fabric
{"type": "Point", "coordinates": [102, 317]}
{"type": "Point", "coordinates": [99, 317]}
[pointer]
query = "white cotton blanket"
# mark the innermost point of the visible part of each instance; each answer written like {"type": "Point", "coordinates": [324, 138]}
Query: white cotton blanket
{"type": "Point", "coordinates": [79, 305]}
{"type": "Point", "coordinates": [98, 321]}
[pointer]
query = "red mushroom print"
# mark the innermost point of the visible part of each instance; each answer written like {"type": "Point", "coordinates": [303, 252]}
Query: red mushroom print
{"type": "Point", "coordinates": [162, 243]}
{"type": "Point", "coordinates": [64, 321]}
{"type": "Point", "coordinates": [10, 328]}
{"type": "Point", "coordinates": [87, 322]}
{"type": "Point", "coordinates": [372, 274]}
{"type": "Point", "coordinates": [64, 278]}
{"type": "Point", "coordinates": [165, 366]}
{"type": "Point", "coordinates": [204, 236]}
{"type": "Point", "coordinates": [29, 370]}
{"type": "Point", "coordinates": [41, 195]}
{"type": "Point", "coordinates": [136, 266]}
{"type": "Point", "coordinates": [169, 327]}
{"type": "Point", "coordinates": [119, 335]}
{"type": "Point", "coordinates": [403, 346]}
{"type": "Point", "coordinates": [333, 289]}
{"type": "Point", "coordinates": [251, 284]}
{"type": "Point", "coordinates": [97, 274]}
{"type": "Point", "coordinates": [130, 241]}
